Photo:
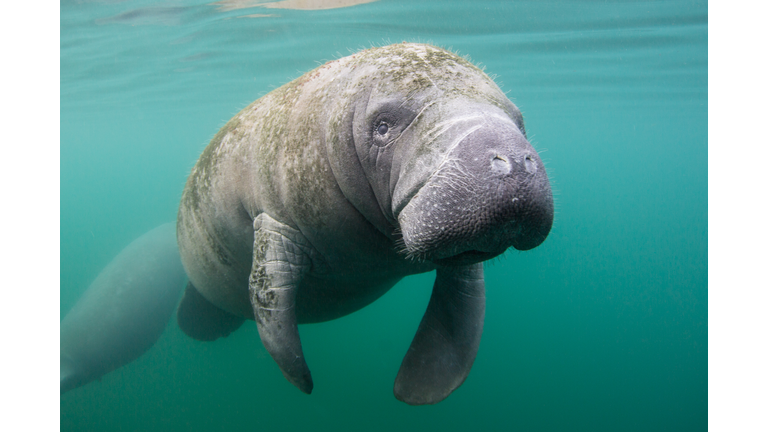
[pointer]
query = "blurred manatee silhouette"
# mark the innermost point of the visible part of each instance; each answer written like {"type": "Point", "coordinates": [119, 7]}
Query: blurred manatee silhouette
{"type": "Point", "coordinates": [124, 311]}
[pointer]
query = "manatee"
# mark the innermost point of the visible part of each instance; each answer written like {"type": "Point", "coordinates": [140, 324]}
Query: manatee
{"type": "Point", "coordinates": [318, 197]}
{"type": "Point", "coordinates": [124, 311]}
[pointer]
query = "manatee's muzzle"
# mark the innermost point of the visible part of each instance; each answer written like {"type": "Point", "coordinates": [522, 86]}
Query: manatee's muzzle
{"type": "Point", "coordinates": [490, 193]}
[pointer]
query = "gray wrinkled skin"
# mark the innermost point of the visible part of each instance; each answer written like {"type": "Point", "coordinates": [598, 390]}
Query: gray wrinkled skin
{"type": "Point", "coordinates": [317, 198]}
{"type": "Point", "coordinates": [125, 309]}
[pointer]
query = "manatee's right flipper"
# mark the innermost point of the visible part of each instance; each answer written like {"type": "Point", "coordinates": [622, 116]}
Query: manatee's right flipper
{"type": "Point", "coordinates": [201, 320]}
{"type": "Point", "coordinates": [280, 260]}
{"type": "Point", "coordinates": [446, 343]}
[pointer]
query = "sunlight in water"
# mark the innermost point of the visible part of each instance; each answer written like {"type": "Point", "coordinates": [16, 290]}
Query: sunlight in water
{"type": "Point", "coordinates": [228, 5]}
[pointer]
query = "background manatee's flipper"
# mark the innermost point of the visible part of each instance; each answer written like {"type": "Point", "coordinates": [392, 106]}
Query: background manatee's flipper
{"type": "Point", "coordinates": [280, 260]}
{"type": "Point", "coordinates": [202, 320]}
{"type": "Point", "coordinates": [445, 345]}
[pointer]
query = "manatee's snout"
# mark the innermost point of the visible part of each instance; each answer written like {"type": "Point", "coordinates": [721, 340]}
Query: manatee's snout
{"type": "Point", "coordinates": [532, 205]}
{"type": "Point", "coordinates": [490, 192]}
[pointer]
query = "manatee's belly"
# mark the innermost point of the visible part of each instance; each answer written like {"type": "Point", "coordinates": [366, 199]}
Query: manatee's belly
{"type": "Point", "coordinates": [317, 300]}
{"type": "Point", "coordinates": [322, 299]}
{"type": "Point", "coordinates": [222, 278]}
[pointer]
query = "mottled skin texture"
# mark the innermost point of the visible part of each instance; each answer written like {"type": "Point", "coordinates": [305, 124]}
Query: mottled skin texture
{"type": "Point", "coordinates": [124, 311]}
{"type": "Point", "coordinates": [317, 198]}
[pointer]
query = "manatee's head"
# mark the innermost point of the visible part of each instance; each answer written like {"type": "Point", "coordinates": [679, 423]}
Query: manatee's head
{"type": "Point", "coordinates": [484, 191]}
{"type": "Point", "coordinates": [446, 157]}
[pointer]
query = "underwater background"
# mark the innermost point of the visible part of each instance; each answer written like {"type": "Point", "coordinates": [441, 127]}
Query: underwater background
{"type": "Point", "coordinates": [601, 328]}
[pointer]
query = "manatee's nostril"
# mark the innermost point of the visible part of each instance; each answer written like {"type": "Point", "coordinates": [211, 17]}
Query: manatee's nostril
{"type": "Point", "coordinates": [530, 164]}
{"type": "Point", "coordinates": [501, 165]}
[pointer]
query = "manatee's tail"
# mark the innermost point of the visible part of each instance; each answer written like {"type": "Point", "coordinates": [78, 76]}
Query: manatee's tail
{"type": "Point", "coordinates": [70, 377]}
{"type": "Point", "coordinates": [201, 320]}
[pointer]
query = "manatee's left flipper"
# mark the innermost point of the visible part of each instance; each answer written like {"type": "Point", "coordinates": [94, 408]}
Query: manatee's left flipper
{"type": "Point", "coordinates": [280, 260]}
{"type": "Point", "coordinates": [446, 343]}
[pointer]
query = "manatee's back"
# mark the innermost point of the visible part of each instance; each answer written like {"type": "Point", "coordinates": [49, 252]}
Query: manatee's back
{"type": "Point", "coordinates": [124, 311]}
{"type": "Point", "coordinates": [252, 165]}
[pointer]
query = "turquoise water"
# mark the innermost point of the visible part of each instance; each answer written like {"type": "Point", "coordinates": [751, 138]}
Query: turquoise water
{"type": "Point", "coordinates": [601, 328]}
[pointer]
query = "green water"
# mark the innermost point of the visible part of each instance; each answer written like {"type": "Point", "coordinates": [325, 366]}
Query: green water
{"type": "Point", "coordinates": [601, 328]}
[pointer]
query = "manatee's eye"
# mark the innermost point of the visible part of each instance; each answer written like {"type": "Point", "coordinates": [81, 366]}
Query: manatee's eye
{"type": "Point", "coordinates": [384, 122]}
